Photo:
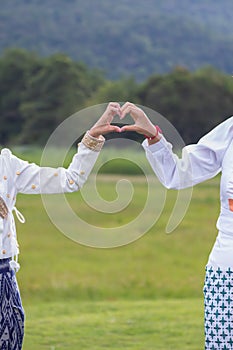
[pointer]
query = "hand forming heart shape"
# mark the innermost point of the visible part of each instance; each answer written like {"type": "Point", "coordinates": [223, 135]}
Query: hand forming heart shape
{"type": "Point", "coordinates": [142, 123]}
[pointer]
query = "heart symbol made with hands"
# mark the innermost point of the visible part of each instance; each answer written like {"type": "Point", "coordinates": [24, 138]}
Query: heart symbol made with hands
{"type": "Point", "coordinates": [142, 124]}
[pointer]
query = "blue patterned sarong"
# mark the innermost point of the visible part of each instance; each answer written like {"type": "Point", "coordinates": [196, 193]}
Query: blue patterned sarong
{"type": "Point", "coordinates": [218, 295]}
{"type": "Point", "coordinates": [11, 310]}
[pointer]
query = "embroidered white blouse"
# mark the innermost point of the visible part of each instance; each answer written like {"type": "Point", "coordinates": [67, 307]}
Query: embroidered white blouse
{"type": "Point", "coordinates": [19, 176]}
{"type": "Point", "coordinates": [211, 155]}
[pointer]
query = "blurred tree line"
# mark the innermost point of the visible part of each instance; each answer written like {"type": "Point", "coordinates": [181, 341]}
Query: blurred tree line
{"type": "Point", "coordinates": [125, 37]}
{"type": "Point", "coordinates": [37, 94]}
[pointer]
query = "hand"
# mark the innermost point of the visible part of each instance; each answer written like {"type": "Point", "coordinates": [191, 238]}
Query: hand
{"type": "Point", "coordinates": [142, 124]}
{"type": "Point", "coordinates": [103, 125]}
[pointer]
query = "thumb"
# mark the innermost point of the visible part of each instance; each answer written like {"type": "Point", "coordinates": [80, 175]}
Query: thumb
{"type": "Point", "coordinates": [133, 127]}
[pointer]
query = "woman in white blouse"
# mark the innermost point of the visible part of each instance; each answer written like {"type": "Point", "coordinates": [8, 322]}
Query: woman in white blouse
{"type": "Point", "coordinates": [18, 176]}
{"type": "Point", "coordinates": [211, 155]}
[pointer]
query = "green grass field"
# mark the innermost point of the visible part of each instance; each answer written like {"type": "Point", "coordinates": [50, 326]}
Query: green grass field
{"type": "Point", "coordinates": [143, 324]}
{"type": "Point", "coordinates": [145, 295]}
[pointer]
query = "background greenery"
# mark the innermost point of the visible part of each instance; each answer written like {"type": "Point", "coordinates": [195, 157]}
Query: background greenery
{"type": "Point", "coordinates": [158, 265]}
{"type": "Point", "coordinates": [57, 57]}
{"type": "Point", "coordinates": [133, 325]}
{"type": "Point", "coordinates": [124, 38]}
{"type": "Point", "coordinates": [37, 94]}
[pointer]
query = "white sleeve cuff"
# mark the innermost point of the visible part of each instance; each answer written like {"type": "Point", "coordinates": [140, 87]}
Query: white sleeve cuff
{"type": "Point", "coordinates": [155, 147]}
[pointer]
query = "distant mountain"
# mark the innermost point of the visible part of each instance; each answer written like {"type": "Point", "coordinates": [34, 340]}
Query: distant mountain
{"type": "Point", "coordinates": [131, 37]}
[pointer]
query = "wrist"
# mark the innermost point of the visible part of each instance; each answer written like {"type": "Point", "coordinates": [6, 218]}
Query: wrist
{"type": "Point", "coordinates": [94, 133]}
{"type": "Point", "coordinates": [154, 136]}
{"type": "Point", "coordinates": [154, 140]}
{"type": "Point", "coordinates": [92, 142]}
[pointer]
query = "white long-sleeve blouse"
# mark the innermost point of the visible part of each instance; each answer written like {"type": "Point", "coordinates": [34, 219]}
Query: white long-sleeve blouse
{"type": "Point", "coordinates": [211, 155]}
{"type": "Point", "coordinates": [19, 176]}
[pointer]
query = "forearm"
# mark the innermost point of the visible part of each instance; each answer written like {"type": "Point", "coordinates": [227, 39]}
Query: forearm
{"type": "Point", "coordinates": [171, 171]}
{"type": "Point", "coordinates": [196, 164]}
{"type": "Point", "coordinates": [33, 179]}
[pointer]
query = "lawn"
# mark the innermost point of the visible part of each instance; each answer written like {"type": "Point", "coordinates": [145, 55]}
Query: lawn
{"type": "Point", "coordinates": [163, 324]}
{"type": "Point", "coordinates": [144, 295]}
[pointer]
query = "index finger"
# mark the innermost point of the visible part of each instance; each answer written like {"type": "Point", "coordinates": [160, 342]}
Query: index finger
{"type": "Point", "coordinates": [115, 107]}
{"type": "Point", "coordinates": [126, 105]}
{"type": "Point", "coordinates": [128, 108]}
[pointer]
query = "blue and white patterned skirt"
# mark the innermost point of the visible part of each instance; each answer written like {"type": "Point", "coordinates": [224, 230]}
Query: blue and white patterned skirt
{"type": "Point", "coordinates": [218, 297]}
{"type": "Point", "coordinates": [11, 310]}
